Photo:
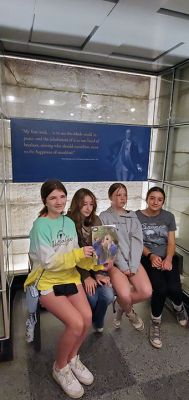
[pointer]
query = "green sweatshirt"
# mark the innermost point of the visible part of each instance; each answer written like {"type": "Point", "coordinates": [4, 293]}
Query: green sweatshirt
{"type": "Point", "coordinates": [54, 249]}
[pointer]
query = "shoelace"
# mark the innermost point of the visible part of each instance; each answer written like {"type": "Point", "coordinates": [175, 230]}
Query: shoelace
{"type": "Point", "coordinates": [68, 376]}
{"type": "Point", "coordinates": [79, 365]}
{"type": "Point", "coordinates": [181, 315]}
{"type": "Point", "coordinates": [30, 324]}
{"type": "Point", "coordinates": [32, 318]}
{"type": "Point", "coordinates": [30, 327]}
{"type": "Point", "coordinates": [29, 334]}
{"type": "Point", "coordinates": [156, 331]}
{"type": "Point", "coordinates": [133, 316]}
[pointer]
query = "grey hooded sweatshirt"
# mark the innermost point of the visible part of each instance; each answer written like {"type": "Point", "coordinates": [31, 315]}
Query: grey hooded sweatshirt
{"type": "Point", "coordinates": [130, 237]}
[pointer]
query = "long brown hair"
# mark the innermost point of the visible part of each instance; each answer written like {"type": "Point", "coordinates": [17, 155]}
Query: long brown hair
{"type": "Point", "coordinates": [48, 187]}
{"type": "Point", "coordinates": [77, 203]}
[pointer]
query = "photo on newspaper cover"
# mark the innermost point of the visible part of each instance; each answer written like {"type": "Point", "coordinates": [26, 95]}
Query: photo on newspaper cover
{"type": "Point", "coordinates": [105, 243]}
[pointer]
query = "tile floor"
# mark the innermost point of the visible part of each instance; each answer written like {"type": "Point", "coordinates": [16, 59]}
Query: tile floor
{"type": "Point", "coordinates": [125, 365]}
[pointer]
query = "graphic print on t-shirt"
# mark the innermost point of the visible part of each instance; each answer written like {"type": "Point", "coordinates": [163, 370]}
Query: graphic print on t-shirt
{"type": "Point", "coordinates": [154, 234]}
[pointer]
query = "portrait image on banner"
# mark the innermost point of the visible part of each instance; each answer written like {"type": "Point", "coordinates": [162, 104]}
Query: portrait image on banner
{"type": "Point", "coordinates": [78, 151]}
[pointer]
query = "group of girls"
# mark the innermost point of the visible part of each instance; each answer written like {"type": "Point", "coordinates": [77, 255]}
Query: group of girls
{"type": "Point", "coordinates": [78, 292]}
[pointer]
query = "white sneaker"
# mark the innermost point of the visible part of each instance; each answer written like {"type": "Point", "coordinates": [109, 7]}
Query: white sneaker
{"type": "Point", "coordinates": [135, 320]}
{"type": "Point", "coordinates": [80, 371]}
{"type": "Point", "coordinates": [30, 328]}
{"type": "Point", "coordinates": [118, 318]}
{"type": "Point", "coordinates": [68, 382]}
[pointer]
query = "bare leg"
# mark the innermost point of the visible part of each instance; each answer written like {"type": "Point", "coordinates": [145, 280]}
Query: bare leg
{"type": "Point", "coordinates": [142, 288]}
{"type": "Point", "coordinates": [126, 295]}
{"type": "Point", "coordinates": [122, 287]}
{"type": "Point", "coordinates": [130, 290]}
{"type": "Point", "coordinates": [63, 309]}
{"type": "Point", "coordinates": [85, 311]}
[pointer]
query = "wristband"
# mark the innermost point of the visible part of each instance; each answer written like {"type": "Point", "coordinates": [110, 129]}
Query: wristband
{"type": "Point", "coordinates": [148, 256]}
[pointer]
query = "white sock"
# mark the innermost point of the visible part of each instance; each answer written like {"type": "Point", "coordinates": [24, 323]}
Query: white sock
{"type": "Point", "coordinates": [177, 308]}
{"type": "Point", "coordinates": [73, 359]}
{"type": "Point", "coordinates": [57, 369]}
{"type": "Point", "coordinates": [158, 319]}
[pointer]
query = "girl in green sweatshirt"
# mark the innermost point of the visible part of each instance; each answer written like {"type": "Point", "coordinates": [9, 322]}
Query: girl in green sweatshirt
{"type": "Point", "coordinates": [54, 253]}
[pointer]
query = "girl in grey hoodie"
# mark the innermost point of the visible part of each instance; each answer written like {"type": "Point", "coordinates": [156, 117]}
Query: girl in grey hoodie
{"type": "Point", "coordinates": [128, 276]}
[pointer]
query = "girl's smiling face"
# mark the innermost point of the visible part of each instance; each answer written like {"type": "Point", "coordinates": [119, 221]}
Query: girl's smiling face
{"type": "Point", "coordinates": [55, 203]}
{"type": "Point", "coordinates": [155, 201]}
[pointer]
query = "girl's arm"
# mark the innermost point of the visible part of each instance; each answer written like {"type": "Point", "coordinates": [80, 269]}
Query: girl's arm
{"type": "Point", "coordinates": [146, 251]}
{"type": "Point", "coordinates": [136, 244]}
{"type": "Point", "coordinates": [67, 256]}
{"type": "Point", "coordinates": [156, 261]}
{"type": "Point", "coordinates": [61, 256]}
{"type": "Point", "coordinates": [171, 245]}
{"type": "Point", "coordinates": [83, 273]}
{"type": "Point", "coordinates": [167, 262]}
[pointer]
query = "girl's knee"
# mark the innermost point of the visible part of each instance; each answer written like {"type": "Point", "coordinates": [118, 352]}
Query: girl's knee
{"type": "Point", "coordinates": [87, 320]}
{"type": "Point", "coordinates": [125, 298]}
{"type": "Point", "coordinates": [108, 296]}
{"type": "Point", "coordinates": [81, 324]}
{"type": "Point", "coordinates": [109, 299]}
{"type": "Point", "coordinates": [86, 317]}
{"type": "Point", "coordinates": [147, 292]}
{"type": "Point", "coordinates": [77, 327]}
{"type": "Point", "coordinates": [105, 301]}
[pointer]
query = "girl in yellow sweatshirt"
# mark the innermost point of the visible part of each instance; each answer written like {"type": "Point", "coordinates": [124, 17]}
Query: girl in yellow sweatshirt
{"type": "Point", "coordinates": [54, 253]}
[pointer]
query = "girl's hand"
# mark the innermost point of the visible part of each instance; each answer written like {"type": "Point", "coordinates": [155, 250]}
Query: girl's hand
{"type": "Point", "coordinates": [156, 261]}
{"type": "Point", "coordinates": [167, 264]}
{"type": "Point", "coordinates": [90, 285]}
{"type": "Point", "coordinates": [88, 251]}
{"type": "Point", "coordinates": [128, 273]}
{"type": "Point", "coordinates": [102, 279]}
{"type": "Point", "coordinates": [108, 265]}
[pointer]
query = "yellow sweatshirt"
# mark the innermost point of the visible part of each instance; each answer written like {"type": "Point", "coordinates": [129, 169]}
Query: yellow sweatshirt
{"type": "Point", "coordinates": [54, 253]}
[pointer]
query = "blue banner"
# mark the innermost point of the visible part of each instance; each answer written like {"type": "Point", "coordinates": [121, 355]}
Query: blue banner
{"type": "Point", "coordinates": [78, 151]}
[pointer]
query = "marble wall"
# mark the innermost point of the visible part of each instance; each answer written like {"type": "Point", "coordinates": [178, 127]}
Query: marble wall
{"type": "Point", "coordinates": [112, 95]}
{"type": "Point", "coordinates": [181, 94]}
{"type": "Point", "coordinates": [44, 90]}
{"type": "Point", "coordinates": [172, 166]}
{"type": "Point", "coordinates": [54, 91]}
{"type": "Point", "coordinates": [164, 84]}
{"type": "Point", "coordinates": [167, 115]}
{"type": "Point", "coordinates": [177, 170]}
